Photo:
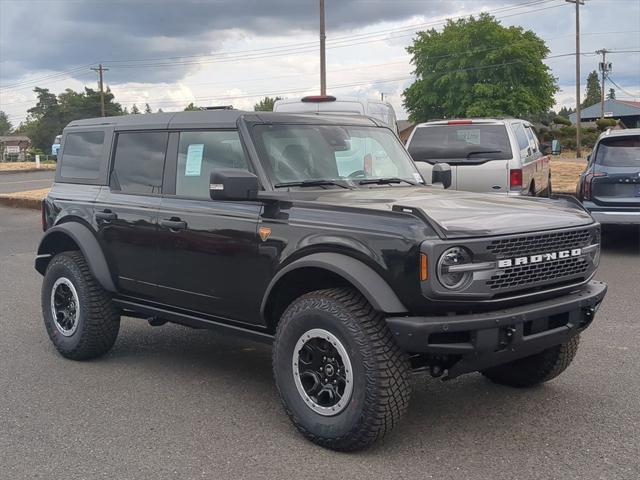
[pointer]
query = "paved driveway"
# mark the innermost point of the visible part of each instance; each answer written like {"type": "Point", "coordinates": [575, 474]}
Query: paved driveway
{"type": "Point", "coordinates": [175, 403]}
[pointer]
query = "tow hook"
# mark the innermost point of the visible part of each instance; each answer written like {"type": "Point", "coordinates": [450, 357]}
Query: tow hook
{"type": "Point", "coordinates": [589, 313]}
{"type": "Point", "coordinates": [506, 336]}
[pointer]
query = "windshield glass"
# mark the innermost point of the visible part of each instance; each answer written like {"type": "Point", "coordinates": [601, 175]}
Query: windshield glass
{"type": "Point", "coordinates": [619, 152]}
{"type": "Point", "coordinates": [297, 153]}
{"type": "Point", "coordinates": [461, 142]}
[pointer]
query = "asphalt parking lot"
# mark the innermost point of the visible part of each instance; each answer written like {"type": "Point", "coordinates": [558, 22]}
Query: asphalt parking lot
{"type": "Point", "coordinates": [170, 402]}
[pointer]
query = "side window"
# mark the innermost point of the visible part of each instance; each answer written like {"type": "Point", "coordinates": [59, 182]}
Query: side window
{"type": "Point", "coordinates": [81, 155]}
{"type": "Point", "coordinates": [138, 162]}
{"type": "Point", "coordinates": [521, 137]}
{"type": "Point", "coordinates": [533, 141]}
{"type": "Point", "coordinates": [199, 153]}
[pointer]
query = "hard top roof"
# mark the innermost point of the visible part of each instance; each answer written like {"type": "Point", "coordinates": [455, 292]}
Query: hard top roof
{"type": "Point", "coordinates": [216, 119]}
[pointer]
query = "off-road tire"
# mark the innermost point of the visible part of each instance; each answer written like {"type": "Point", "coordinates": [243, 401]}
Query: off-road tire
{"type": "Point", "coordinates": [536, 369]}
{"type": "Point", "coordinates": [99, 319]}
{"type": "Point", "coordinates": [381, 388]}
{"type": "Point", "coordinates": [547, 192]}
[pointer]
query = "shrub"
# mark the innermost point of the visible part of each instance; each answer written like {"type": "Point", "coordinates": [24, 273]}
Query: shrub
{"type": "Point", "coordinates": [558, 120]}
{"type": "Point", "coordinates": [604, 123]}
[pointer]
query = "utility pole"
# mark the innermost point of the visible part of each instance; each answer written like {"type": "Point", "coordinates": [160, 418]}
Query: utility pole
{"type": "Point", "coordinates": [382, 96]}
{"type": "Point", "coordinates": [100, 71]}
{"type": "Point", "coordinates": [323, 65]}
{"type": "Point", "coordinates": [578, 118]}
{"type": "Point", "coordinates": [604, 68]}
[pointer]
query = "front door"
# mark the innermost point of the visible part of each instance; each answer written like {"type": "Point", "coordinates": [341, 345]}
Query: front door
{"type": "Point", "coordinates": [126, 211]}
{"type": "Point", "coordinates": [207, 250]}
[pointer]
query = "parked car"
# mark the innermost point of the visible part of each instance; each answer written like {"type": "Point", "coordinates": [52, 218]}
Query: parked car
{"type": "Point", "coordinates": [261, 225]}
{"type": "Point", "coordinates": [609, 188]}
{"type": "Point", "coordinates": [486, 155]}
{"type": "Point", "coordinates": [328, 104]}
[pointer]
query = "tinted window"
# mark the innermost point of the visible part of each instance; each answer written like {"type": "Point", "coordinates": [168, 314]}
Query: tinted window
{"type": "Point", "coordinates": [460, 142]}
{"type": "Point", "coordinates": [199, 153]}
{"type": "Point", "coordinates": [139, 162]}
{"type": "Point", "coordinates": [82, 154]}
{"type": "Point", "coordinates": [619, 152]}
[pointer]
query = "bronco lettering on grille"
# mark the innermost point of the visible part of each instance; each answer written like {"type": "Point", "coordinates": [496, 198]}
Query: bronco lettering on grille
{"type": "Point", "coordinates": [542, 257]}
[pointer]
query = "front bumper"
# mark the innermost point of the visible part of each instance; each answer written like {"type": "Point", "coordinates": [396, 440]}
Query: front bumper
{"type": "Point", "coordinates": [482, 340]}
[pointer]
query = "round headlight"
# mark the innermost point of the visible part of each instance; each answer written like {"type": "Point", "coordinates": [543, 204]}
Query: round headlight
{"type": "Point", "coordinates": [449, 278]}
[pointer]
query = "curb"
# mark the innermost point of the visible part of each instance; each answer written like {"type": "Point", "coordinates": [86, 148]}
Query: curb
{"type": "Point", "coordinates": [17, 202]}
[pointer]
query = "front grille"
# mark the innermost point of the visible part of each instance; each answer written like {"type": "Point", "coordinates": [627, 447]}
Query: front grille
{"type": "Point", "coordinates": [527, 275]}
{"type": "Point", "coordinates": [541, 243]}
{"type": "Point", "coordinates": [520, 277]}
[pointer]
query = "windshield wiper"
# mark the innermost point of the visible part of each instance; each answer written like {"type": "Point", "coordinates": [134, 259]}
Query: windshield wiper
{"type": "Point", "coordinates": [479, 152]}
{"type": "Point", "coordinates": [312, 183]}
{"type": "Point", "coordinates": [385, 181]}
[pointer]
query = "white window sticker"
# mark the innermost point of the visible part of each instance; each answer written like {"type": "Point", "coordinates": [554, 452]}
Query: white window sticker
{"type": "Point", "coordinates": [469, 136]}
{"type": "Point", "coordinates": [193, 167]}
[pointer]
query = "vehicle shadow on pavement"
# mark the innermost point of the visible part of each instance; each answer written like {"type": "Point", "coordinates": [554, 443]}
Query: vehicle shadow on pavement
{"type": "Point", "coordinates": [200, 362]}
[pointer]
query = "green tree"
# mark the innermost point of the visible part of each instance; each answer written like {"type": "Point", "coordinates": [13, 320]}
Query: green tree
{"type": "Point", "coordinates": [191, 108]}
{"type": "Point", "coordinates": [147, 108]}
{"type": "Point", "coordinates": [266, 104]}
{"type": "Point", "coordinates": [52, 113]}
{"type": "Point", "coordinates": [565, 112]}
{"type": "Point", "coordinates": [476, 67]}
{"type": "Point", "coordinates": [593, 92]}
{"type": "Point", "coordinates": [612, 94]}
{"type": "Point", "coordinates": [5, 124]}
{"type": "Point", "coordinates": [135, 110]}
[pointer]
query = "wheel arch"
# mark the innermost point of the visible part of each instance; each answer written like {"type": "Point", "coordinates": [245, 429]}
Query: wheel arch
{"type": "Point", "coordinates": [75, 236]}
{"type": "Point", "coordinates": [325, 270]}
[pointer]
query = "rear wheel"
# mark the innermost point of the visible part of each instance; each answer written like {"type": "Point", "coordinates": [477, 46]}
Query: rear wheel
{"type": "Point", "coordinates": [342, 379]}
{"type": "Point", "coordinates": [547, 191]}
{"type": "Point", "coordinates": [536, 369]}
{"type": "Point", "coordinates": [78, 313]}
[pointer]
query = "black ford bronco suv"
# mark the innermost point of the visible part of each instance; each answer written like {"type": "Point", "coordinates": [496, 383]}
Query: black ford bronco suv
{"type": "Point", "coordinates": [316, 234]}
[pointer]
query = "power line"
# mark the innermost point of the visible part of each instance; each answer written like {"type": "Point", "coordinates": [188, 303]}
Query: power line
{"type": "Point", "coordinates": [622, 89]}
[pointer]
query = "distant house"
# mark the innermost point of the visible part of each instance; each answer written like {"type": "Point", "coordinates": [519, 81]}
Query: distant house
{"type": "Point", "coordinates": [14, 147]}
{"type": "Point", "coordinates": [626, 111]}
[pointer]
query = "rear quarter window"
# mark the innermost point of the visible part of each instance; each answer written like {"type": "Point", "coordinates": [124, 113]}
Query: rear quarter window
{"type": "Point", "coordinates": [81, 155]}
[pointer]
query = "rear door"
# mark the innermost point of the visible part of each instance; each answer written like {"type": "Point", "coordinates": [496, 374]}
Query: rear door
{"type": "Point", "coordinates": [616, 170]}
{"type": "Point", "coordinates": [126, 211]}
{"type": "Point", "coordinates": [478, 153]}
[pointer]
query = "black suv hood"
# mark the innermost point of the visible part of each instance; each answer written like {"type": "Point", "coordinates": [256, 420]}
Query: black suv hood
{"type": "Point", "coordinates": [460, 214]}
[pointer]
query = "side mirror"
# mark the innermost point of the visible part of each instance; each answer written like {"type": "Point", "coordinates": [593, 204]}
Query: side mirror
{"type": "Point", "coordinates": [233, 184]}
{"type": "Point", "coordinates": [441, 173]}
{"type": "Point", "coordinates": [556, 148]}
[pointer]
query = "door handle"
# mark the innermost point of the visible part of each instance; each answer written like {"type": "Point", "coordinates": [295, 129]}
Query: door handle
{"type": "Point", "coordinates": [174, 224]}
{"type": "Point", "coordinates": [106, 215]}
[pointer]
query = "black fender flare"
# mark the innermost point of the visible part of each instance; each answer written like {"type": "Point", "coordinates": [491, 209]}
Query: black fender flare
{"type": "Point", "coordinates": [366, 280]}
{"type": "Point", "coordinates": [88, 244]}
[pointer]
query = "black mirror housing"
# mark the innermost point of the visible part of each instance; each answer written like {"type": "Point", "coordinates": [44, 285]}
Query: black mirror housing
{"type": "Point", "coordinates": [233, 184]}
{"type": "Point", "coordinates": [441, 173]}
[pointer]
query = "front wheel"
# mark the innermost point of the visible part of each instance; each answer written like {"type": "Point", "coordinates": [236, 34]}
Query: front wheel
{"type": "Point", "coordinates": [342, 379]}
{"type": "Point", "coordinates": [535, 369]}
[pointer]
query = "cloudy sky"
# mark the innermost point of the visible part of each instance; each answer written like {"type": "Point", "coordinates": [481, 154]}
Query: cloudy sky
{"type": "Point", "coordinates": [219, 52]}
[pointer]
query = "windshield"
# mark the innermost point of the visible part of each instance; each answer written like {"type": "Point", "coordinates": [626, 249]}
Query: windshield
{"type": "Point", "coordinates": [299, 153]}
{"type": "Point", "coordinates": [460, 142]}
{"type": "Point", "coordinates": [619, 152]}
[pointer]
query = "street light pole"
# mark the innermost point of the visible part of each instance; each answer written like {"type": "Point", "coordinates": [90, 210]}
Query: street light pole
{"type": "Point", "coordinates": [323, 67]}
{"type": "Point", "coordinates": [578, 118]}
